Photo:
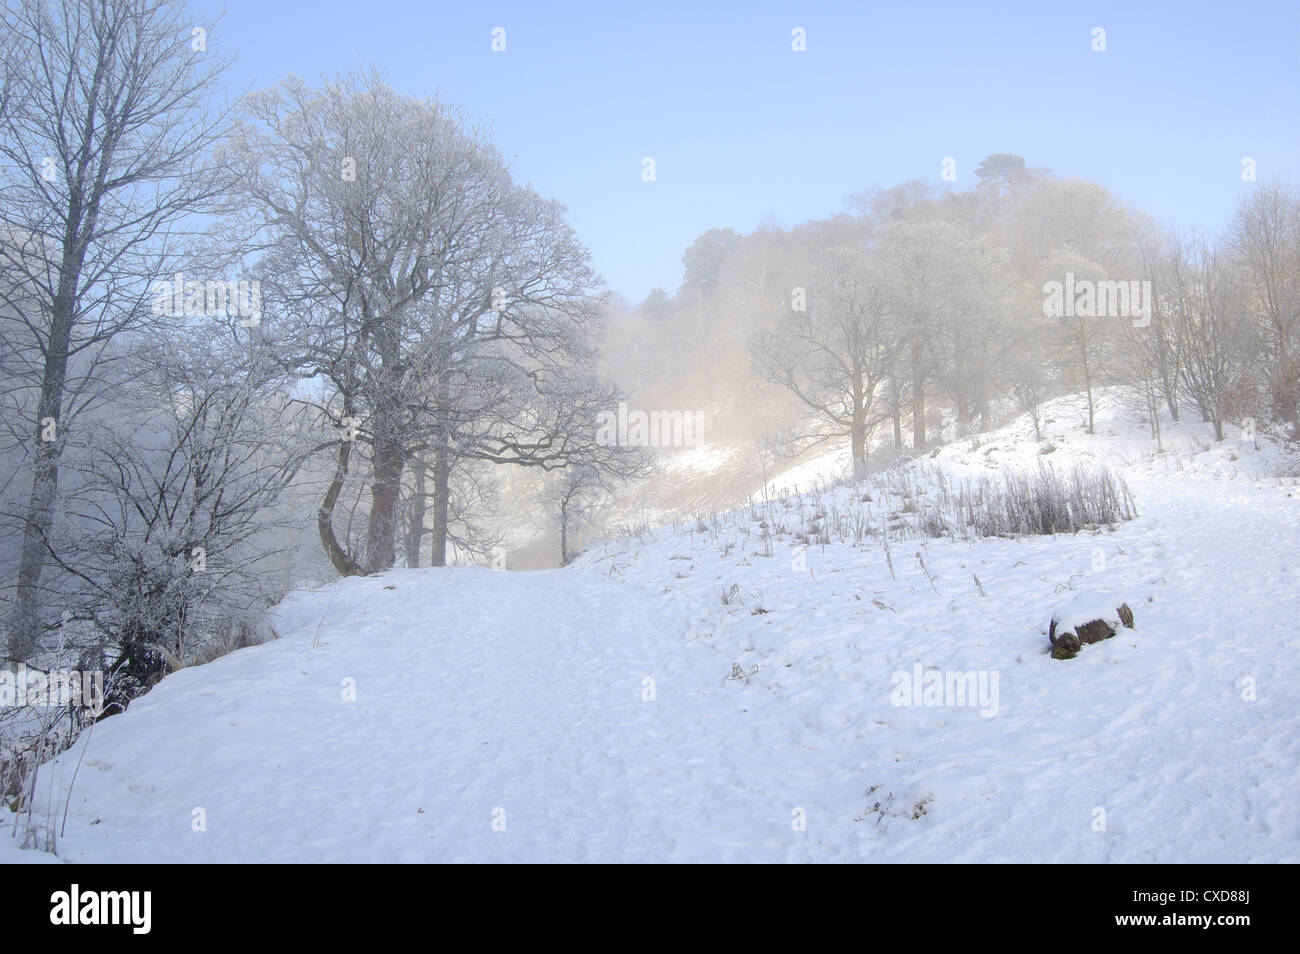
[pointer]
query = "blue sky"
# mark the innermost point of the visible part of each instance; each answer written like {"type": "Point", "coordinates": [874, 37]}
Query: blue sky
{"type": "Point", "coordinates": [741, 127]}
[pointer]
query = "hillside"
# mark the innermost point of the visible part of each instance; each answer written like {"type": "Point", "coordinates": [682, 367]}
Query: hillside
{"type": "Point", "coordinates": [721, 690]}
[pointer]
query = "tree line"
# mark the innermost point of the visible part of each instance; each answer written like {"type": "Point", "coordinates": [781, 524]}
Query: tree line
{"type": "Point", "coordinates": [923, 314]}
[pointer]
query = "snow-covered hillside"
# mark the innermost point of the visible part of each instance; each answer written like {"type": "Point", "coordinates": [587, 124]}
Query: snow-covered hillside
{"type": "Point", "coordinates": [726, 691]}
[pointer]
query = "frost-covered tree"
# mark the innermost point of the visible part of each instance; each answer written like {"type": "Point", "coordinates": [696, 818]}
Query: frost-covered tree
{"type": "Point", "coordinates": [1211, 328]}
{"type": "Point", "coordinates": [1264, 238]}
{"type": "Point", "coordinates": [105, 140]}
{"type": "Point", "coordinates": [575, 494]}
{"type": "Point", "coordinates": [169, 543]}
{"type": "Point", "coordinates": [440, 308]}
{"type": "Point", "coordinates": [924, 258]}
{"type": "Point", "coordinates": [1083, 231]}
{"type": "Point", "coordinates": [835, 354]}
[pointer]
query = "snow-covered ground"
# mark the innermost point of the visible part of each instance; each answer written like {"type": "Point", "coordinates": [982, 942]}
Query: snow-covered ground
{"type": "Point", "coordinates": [728, 693]}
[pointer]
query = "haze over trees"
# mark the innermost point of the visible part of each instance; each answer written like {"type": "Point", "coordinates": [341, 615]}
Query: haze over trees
{"type": "Point", "coordinates": [925, 316]}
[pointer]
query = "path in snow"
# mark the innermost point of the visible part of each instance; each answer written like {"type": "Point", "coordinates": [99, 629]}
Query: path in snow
{"type": "Point", "coordinates": [476, 691]}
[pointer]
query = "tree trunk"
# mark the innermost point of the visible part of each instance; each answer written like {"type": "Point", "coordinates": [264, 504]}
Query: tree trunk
{"type": "Point", "coordinates": [961, 395]}
{"type": "Point", "coordinates": [982, 388]}
{"type": "Point", "coordinates": [858, 438]}
{"type": "Point", "coordinates": [384, 494]}
{"type": "Point", "coordinates": [24, 629]}
{"type": "Point", "coordinates": [1168, 383]}
{"type": "Point", "coordinates": [419, 506]}
{"type": "Point", "coordinates": [858, 425]}
{"type": "Point", "coordinates": [1087, 376]}
{"type": "Point", "coordinates": [918, 398]}
{"type": "Point", "coordinates": [1155, 425]}
{"type": "Point", "coordinates": [896, 408]}
{"type": "Point", "coordinates": [339, 556]}
{"type": "Point", "coordinates": [441, 504]}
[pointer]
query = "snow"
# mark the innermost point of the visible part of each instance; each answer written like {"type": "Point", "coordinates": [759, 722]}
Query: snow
{"type": "Point", "coordinates": [590, 714]}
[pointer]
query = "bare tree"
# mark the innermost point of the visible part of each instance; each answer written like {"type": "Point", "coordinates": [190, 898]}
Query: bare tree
{"type": "Point", "coordinates": [1265, 237]}
{"type": "Point", "coordinates": [971, 338]}
{"type": "Point", "coordinates": [170, 532]}
{"type": "Point", "coordinates": [448, 311]}
{"type": "Point", "coordinates": [1212, 332]}
{"type": "Point", "coordinates": [835, 354]}
{"type": "Point", "coordinates": [1081, 229]}
{"type": "Point", "coordinates": [1028, 387]}
{"type": "Point", "coordinates": [105, 138]}
{"type": "Point", "coordinates": [575, 495]}
{"type": "Point", "coordinates": [923, 257]}
{"type": "Point", "coordinates": [1087, 336]}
